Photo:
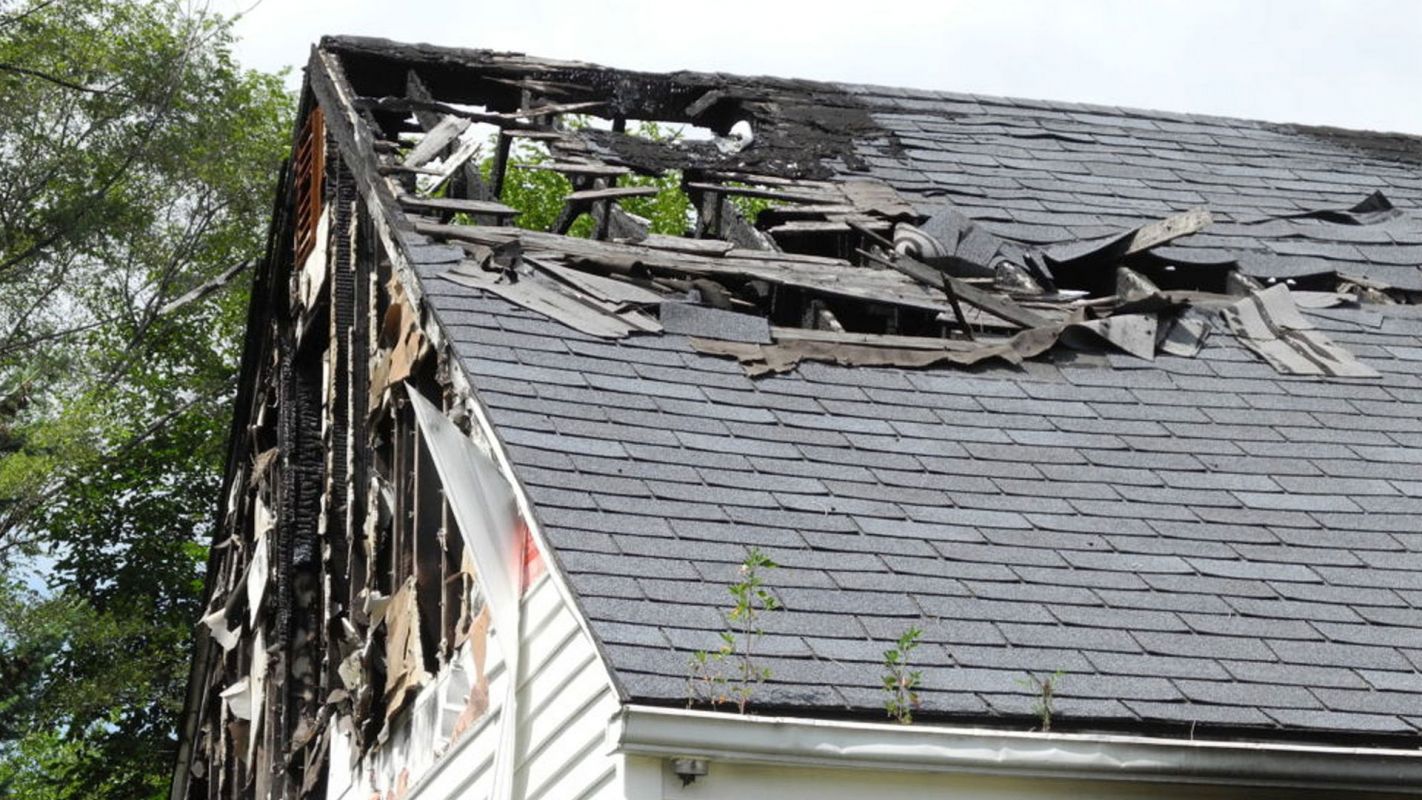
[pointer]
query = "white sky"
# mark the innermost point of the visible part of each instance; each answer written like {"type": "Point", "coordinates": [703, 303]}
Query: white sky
{"type": "Point", "coordinates": [1354, 64]}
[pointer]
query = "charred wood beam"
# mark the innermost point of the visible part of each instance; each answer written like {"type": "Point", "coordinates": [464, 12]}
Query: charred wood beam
{"type": "Point", "coordinates": [416, 90]}
{"type": "Point", "coordinates": [436, 142]}
{"type": "Point", "coordinates": [619, 224]}
{"type": "Point", "coordinates": [488, 208]}
{"type": "Point", "coordinates": [428, 516]}
{"type": "Point", "coordinates": [410, 105]}
{"type": "Point", "coordinates": [501, 165]}
{"type": "Point", "coordinates": [471, 76]}
{"type": "Point", "coordinates": [345, 310]}
{"type": "Point", "coordinates": [719, 218]}
{"type": "Point", "coordinates": [709, 204]}
{"type": "Point", "coordinates": [584, 201]}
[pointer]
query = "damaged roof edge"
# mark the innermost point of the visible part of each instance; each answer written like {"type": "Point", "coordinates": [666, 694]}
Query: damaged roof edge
{"type": "Point", "coordinates": [330, 89]}
{"type": "Point", "coordinates": [799, 125]}
{"type": "Point", "coordinates": [327, 83]}
{"type": "Point", "coordinates": [803, 131]}
{"type": "Point", "coordinates": [1391, 145]}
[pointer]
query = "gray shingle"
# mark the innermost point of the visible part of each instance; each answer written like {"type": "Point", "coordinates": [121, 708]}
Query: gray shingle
{"type": "Point", "coordinates": [1369, 702]}
{"type": "Point", "coordinates": [1255, 695]}
{"type": "Point", "coordinates": [1346, 596]}
{"type": "Point", "coordinates": [1054, 596]}
{"type": "Point", "coordinates": [747, 535]}
{"type": "Point", "coordinates": [1193, 713]}
{"type": "Point", "coordinates": [1353, 576]}
{"type": "Point", "coordinates": [1296, 556]}
{"type": "Point", "coordinates": [946, 567]}
{"type": "Point", "coordinates": [1023, 454]}
{"type": "Point", "coordinates": [1340, 655]}
{"type": "Point", "coordinates": [564, 444]}
{"type": "Point", "coordinates": [966, 516]}
{"type": "Point", "coordinates": [1127, 562]}
{"type": "Point", "coordinates": [1117, 687]}
{"type": "Point", "coordinates": [754, 480]}
{"type": "Point", "coordinates": [1119, 619]}
{"type": "Point", "coordinates": [1388, 681]}
{"type": "Point", "coordinates": [794, 520]}
{"type": "Point", "coordinates": [1161, 601]}
{"type": "Point", "coordinates": [1340, 721]}
{"type": "Point", "coordinates": [1028, 659]}
{"type": "Point", "coordinates": [1384, 635]}
{"type": "Point", "coordinates": [1201, 646]}
{"type": "Point", "coordinates": [840, 503]}
{"type": "Point", "coordinates": [1081, 637]}
{"type": "Point", "coordinates": [1250, 627]}
{"type": "Point", "coordinates": [1294, 674]}
{"type": "Point", "coordinates": [1158, 666]}
{"type": "Point", "coordinates": [1255, 570]}
{"type": "Point", "coordinates": [1220, 480]}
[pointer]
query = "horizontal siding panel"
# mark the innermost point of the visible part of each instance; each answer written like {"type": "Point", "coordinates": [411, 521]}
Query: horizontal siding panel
{"type": "Point", "coordinates": [565, 701]}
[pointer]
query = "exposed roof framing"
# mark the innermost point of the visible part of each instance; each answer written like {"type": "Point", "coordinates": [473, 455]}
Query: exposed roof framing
{"type": "Point", "coordinates": [812, 150]}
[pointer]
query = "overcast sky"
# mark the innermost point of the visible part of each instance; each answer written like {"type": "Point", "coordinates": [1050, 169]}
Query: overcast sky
{"type": "Point", "coordinates": [1355, 64]}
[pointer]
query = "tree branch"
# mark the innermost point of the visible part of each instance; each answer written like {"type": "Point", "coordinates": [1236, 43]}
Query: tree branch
{"type": "Point", "coordinates": [58, 81]}
{"type": "Point", "coordinates": [202, 291]}
{"type": "Point", "coordinates": [25, 508]}
{"type": "Point", "coordinates": [149, 129]}
{"type": "Point", "coordinates": [7, 21]}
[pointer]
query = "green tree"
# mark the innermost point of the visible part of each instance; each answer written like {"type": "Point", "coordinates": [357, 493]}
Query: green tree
{"type": "Point", "coordinates": [538, 194]}
{"type": "Point", "coordinates": [137, 163]}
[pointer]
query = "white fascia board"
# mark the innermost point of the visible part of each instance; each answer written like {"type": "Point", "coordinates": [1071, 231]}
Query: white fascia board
{"type": "Point", "coordinates": [790, 741]}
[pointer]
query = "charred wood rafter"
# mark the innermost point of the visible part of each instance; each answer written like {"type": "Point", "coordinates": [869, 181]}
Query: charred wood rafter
{"type": "Point", "coordinates": [797, 124]}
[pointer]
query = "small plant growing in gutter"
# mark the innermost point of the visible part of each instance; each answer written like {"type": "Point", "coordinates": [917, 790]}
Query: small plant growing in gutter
{"type": "Point", "coordinates": [1046, 689]}
{"type": "Point", "coordinates": [730, 673]}
{"type": "Point", "coordinates": [901, 683]}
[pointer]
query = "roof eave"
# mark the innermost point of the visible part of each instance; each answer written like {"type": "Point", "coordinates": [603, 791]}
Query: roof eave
{"type": "Point", "coordinates": [797, 742]}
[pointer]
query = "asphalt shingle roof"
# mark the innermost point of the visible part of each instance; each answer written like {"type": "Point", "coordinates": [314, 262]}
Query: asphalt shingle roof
{"type": "Point", "coordinates": [1043, 173]}
{"type": "Point", "coordinates": [1189, 541]}
{"type": "Point", "coordinates": [1194, 540]}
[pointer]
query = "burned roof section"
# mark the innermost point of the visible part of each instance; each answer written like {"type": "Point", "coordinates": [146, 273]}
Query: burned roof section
{"type": "Point", "coordinates": [964, 265]}
{"type": "Point", "coordinates": [1128, 395]}
{"type": "Point", "coordinates": [798, 124]}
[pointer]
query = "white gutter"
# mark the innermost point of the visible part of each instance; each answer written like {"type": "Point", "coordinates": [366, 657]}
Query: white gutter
{"type": "Point", "coordinates": [789, 741]}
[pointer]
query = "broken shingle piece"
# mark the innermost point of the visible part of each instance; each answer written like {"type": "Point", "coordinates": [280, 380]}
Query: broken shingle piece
{"type": "Point", "coordinates": [691, 319]}
{"type": "Point", "coordinates": [1269, 323]}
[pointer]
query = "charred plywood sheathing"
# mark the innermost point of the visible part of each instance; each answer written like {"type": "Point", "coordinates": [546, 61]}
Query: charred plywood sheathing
{"type": "Point", "coordinates": [356, 587]}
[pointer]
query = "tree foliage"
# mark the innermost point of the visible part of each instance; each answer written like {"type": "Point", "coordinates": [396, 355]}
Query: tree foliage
{"type": "Point", "coordinates": [136, 168]}
{"type": "Point", "coordinates": [538, 194]}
